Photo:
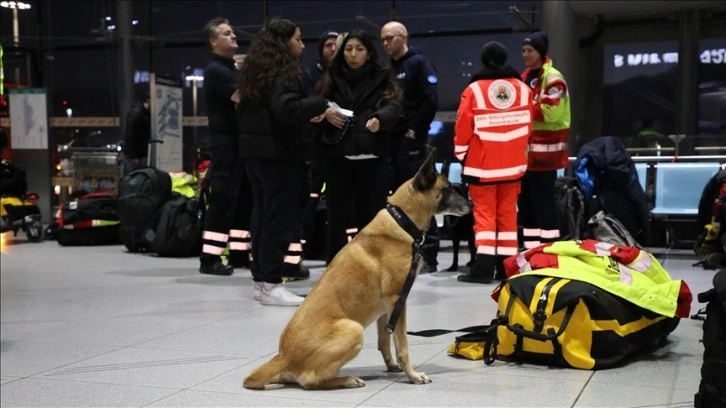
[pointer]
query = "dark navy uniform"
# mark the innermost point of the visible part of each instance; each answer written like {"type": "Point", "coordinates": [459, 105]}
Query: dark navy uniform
{"type": "Point", "coordinates": [230, 201]}
{"type": "Point", "coordinates": [418, 78]}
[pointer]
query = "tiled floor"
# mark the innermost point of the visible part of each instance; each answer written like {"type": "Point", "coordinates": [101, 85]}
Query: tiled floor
{"type": "Point", "coordinates": [97, 327]}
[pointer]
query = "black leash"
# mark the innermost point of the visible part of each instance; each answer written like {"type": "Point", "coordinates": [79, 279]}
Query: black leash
{"type": "Point", "coordinates": [486, 334]}
{"type": "Point", "coordinates": [416, 250]}
{"type": "Point", "coordinates": [440, 332]}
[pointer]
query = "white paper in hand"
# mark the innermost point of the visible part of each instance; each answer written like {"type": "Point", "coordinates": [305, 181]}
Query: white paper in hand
{"type": "Point", "coordinates": [344, 112]}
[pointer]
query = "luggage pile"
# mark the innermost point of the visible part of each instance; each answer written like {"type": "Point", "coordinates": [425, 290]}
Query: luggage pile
{"type": "Point", "coordinates": [160, 213]}
{"type": "Point", "coordinates": [588, 305]}
{"type": "Point", "coordinates": [18, 207]}
{"type": "Point", "coordinates": [155, 212]}
{"type": "Point", "coordinates": [579, 304]}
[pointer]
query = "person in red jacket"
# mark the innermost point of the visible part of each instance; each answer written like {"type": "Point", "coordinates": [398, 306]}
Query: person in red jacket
{"type": "Point", "coordinates": [493, 126]}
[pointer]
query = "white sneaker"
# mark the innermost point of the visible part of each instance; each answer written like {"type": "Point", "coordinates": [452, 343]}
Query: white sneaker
{"type": "Point", "coordinates": [278, 295]}
{"type": "Point", "coordinates": [258, 291]}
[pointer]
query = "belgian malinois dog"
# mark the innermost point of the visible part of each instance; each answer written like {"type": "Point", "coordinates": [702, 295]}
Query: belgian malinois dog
{"type": "Point", "coordinates": [361, 285]}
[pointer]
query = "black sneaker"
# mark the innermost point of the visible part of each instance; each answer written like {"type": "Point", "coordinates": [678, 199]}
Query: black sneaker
{"type": "Point", "coordinates": [217, 268]}
{"type": "Point", "coordinates": [469, 278]}
{"type": "Point", "coordinates": [428, 268]}
{"type": "Point", "coordinates": [295, 273]}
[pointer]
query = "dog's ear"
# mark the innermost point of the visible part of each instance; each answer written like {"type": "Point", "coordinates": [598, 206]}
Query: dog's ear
{"type": "Point", "coordinates": [426, 176]}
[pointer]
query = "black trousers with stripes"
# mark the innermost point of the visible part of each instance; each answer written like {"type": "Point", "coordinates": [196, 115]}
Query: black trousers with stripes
{"type": "Point", "coordinates": [229, 202]}
{"type": "Point", "coordinates": [536, 207]}
{"type": "Point", "coordinates": [276, 186]}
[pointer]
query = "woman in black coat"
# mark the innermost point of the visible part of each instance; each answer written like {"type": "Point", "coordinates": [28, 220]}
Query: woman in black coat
{"type": "Point", "coordinates": [272, 111]}
{"type": "Point", "coordinates": [353, 147]}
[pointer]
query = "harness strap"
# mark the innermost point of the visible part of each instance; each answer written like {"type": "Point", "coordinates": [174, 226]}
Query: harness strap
{"type": "Point", "coordinates": [416, 249]}
{"type": "Point", "coordinates": [401, 302]}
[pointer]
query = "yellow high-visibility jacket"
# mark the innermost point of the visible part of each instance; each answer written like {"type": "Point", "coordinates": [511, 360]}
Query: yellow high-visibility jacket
{"type": "Point", "coordinates": [628, 272]}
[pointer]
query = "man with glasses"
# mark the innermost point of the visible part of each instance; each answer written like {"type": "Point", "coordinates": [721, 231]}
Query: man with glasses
{"type": "Point", "coordinates": [417, 77]}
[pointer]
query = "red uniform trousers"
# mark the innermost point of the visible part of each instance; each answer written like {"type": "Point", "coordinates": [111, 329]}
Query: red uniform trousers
{"type": "Point", "coordinates": [495, 217]}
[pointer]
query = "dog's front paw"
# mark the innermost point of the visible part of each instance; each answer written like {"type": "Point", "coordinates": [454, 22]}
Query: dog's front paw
{"type": "Point", "coordinates": [419, 378]}
{"type": "Point", "coordinates": [354, 382]}
{"type": "Point", "coordinates": [393, 367]}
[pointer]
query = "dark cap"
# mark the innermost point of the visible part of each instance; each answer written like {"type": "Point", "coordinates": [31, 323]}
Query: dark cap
{"type": "Point", "coordinates": [494, 54]}
{"type": "Point", "coordinates": [323, 37]}
{"type": "Point", "coordinates": [539, 42]}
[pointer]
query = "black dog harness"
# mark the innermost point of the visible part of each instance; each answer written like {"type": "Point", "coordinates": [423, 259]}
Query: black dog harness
{"type": "Point", "coordinates": [416, 250]}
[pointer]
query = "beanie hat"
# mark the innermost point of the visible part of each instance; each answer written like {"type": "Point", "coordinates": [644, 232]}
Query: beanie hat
{"type": "Point", "coordinates": [494, 54]}
{"type": "Point", "coordinates": [323, 37]}
{"type": "Point", "coordinates": [539, 42]}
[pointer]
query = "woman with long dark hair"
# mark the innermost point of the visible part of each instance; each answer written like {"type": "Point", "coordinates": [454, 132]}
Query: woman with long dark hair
{"type": "Point", "coordinates": [354, 144]}
{"type": "Point", "coordinates": [272, 110]}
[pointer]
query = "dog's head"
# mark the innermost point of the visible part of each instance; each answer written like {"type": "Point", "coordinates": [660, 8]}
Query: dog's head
{"type": "Point", "coordinates": [429, 191]}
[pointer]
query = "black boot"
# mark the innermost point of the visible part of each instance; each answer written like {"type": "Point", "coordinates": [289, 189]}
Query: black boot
{"type": "Point", "coordinates": [216, 268]}
{"type": "Point", "coordinates": [481, 272]}
{"type": "Point", "coordinates": [500, 275]}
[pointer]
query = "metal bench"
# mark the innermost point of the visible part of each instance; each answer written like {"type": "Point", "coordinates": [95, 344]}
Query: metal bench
{"type": "Point", "coordinates": [678, 189]}
{"type": "Point", "coordinates": [642, 169]}
{"type": "Point", "coordinates": [678, 186]}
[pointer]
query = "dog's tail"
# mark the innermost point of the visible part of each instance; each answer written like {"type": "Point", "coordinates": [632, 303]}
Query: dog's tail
{"type": "Point", "coordinates": [262, 375]}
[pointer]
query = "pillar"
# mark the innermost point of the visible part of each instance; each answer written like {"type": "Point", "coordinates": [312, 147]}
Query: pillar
{"type": "Point", "coordinates": [688, 60]}
{"type": "Point", "coordinates": [560, 23]}
{"type": "Point", "coordinates": [126, 61]}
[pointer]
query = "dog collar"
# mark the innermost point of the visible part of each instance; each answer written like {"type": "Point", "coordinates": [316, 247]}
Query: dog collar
{"type": "Point", "coordinates": [416, 250]}
{"type": "Point", "coordinates": [406, 223]}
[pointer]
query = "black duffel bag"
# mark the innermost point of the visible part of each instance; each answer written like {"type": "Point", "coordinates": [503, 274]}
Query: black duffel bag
{"type": "Point", "coordinates": [179, 231]}
{"type": "Point", "coordinates": [142, 194]}
{"type": "Point", "coordinates": [91, 219]}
